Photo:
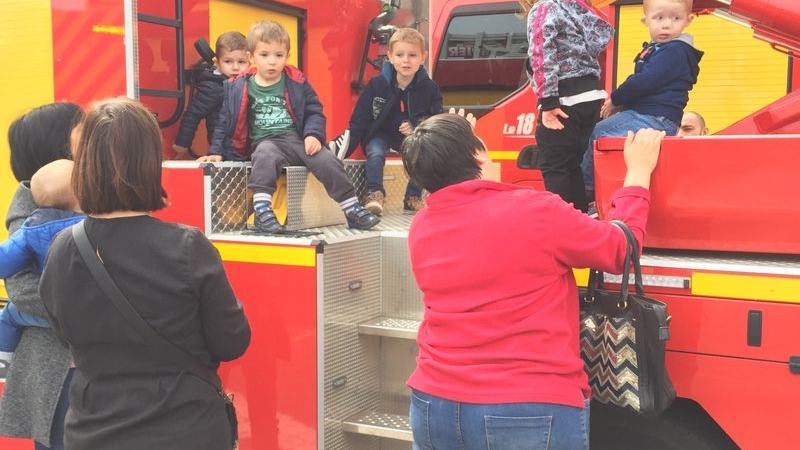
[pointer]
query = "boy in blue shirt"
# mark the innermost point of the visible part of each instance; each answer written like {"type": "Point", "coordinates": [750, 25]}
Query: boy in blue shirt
{"type": "Point", "coordinates": [272, 116]}
{"type": "Point", "coordinates": [59, 209]}
{"type": "Point", "coordinates": [656, 93]}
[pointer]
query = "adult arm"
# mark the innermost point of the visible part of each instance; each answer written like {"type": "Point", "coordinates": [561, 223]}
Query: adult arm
{"type": "Point", "coordinates": [23, 286]}
{"type": "Point", "coordinates": [587, 242]}
{"type": "Point", "coordinates": [225, 326]}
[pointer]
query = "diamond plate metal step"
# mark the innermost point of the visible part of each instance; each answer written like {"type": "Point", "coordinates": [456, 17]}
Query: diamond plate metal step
{"type": "Point", "coordinates": [392, 426]}
{"type": "Point", "coordinates": [390, 327]}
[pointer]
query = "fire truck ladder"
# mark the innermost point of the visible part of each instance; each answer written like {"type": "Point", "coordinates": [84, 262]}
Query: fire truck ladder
{"type": "Point", "coordinates": [132, 20]}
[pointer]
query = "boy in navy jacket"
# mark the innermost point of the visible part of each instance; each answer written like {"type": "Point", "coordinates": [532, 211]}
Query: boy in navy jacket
{"type": "Point", "coordinates": [272, 116]}
{"type": "Point", "coordinates": [392, 104]}
{"type": "Point", "coordinates": [655, 94]}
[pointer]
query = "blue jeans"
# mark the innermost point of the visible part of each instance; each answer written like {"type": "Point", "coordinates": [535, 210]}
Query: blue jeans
{"type": "Point", "coordinates": [12, 321]}
{"type": "Point", "coordinates": [376, 151]}
{"type": "Point", "coordinates": [618, 125]}
{"type": "Point", "coordinates": [442, 424]}
{"type": "Point", "coordinates": [57, 427]}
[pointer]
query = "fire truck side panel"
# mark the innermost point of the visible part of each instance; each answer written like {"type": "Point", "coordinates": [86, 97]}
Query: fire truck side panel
{"type": "Point", "coordinates": [748, 399]}
{"type": "Point", "coordinates": [275, 382]}
{"type": "Point", "coordinates": [724, 203]}
{"type": "Point", "coordinates": [756, 331]}
{"type": "Point", "coordinates": [184, 184]}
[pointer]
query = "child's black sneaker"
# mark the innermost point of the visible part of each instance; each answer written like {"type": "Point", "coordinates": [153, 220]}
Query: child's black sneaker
{"type": "Point", "coordinates": [361, 219]}
{"type": "Point", "coordinates": [264, 218]}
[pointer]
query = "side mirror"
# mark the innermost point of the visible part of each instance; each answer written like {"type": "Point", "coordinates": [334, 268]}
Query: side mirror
{"type": "Point", "coordinates": [528, 157]}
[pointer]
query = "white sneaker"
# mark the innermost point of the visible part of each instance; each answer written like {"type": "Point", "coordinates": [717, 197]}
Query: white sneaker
{"type": "Point", "coordinates": [340, 144]}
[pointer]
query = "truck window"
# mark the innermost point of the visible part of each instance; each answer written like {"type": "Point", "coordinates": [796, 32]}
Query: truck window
{"type": "Point", "coordinates": [481, 59]}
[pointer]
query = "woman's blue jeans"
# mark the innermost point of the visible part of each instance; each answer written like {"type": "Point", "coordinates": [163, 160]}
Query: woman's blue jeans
{"type": "Point", "coordinates": [439, 424]}
{"type": "Point", "coordinates": [618, 125]}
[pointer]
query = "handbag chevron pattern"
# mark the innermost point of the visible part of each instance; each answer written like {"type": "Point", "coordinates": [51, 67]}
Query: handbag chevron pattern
{"type": "Point", "coordinates": [623, 340]}
{"type": "Point", "coordinates": [608, 347]}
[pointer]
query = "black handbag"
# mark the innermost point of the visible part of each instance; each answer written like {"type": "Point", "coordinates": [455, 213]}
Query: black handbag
{"type": "Point", "coordinates": [172, 352]}
{"type": "Point", "coordinates": [623, 340]}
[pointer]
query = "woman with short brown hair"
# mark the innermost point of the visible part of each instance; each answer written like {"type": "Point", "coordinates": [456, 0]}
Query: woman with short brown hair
{"type": "Point", "coordinates": [127, 393]}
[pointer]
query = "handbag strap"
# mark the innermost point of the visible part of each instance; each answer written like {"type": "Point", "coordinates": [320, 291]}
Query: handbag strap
{"type": "Point", "coordinates": [111, 289]}
{"type": "Point", "coordinates": [631, 261]}
{"type": "Point", "coordinates": [633, 253]}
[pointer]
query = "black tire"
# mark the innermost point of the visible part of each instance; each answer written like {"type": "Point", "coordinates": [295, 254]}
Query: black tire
{"type": "Point", "coordinates": [684, 426]}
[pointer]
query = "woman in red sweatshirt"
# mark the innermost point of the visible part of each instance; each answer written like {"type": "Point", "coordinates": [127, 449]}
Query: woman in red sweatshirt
{"type": "Point", "coordinates": [499, 364]}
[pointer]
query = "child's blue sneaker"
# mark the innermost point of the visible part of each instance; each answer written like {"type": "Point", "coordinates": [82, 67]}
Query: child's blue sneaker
{"type": "Point", "coordinates": [361, 219]}
{"type": "Point", "coordinates": [264, 218]}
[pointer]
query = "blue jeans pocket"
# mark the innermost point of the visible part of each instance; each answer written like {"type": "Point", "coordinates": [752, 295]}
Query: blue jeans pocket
{"type": "Point", "coordinates": [518, 433]}
{"type": "Point", "coordinates": [420, 426]}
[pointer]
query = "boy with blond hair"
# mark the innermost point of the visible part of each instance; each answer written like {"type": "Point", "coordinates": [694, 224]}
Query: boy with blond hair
{"type": "Point", "coordinates": [392, 104]}
{"type": "Point", "coordinates": [58, 209]}
{"type": "Point", "coordinates": [655, 95]}
{"type": "Point", "coordinates": [272, 116]}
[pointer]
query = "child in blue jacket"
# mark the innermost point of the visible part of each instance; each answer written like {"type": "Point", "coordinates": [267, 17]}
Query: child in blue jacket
{"type": "Point", "coordinates": [272, 116]}
{"type": "Point", "coordinates": [59, 209]}
{"type": "Point", "coordinates": [392, 104]}
{"type": "Point", "coordinates": [655, 95]}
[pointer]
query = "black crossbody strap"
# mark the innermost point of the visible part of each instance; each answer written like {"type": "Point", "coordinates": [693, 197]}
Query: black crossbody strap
{"type": "Point", "coordinates": [170, 350]}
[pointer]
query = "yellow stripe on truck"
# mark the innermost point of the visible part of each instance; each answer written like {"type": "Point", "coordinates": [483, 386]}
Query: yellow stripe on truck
{"type": "Point", "coordinates": [268, 254]}
{"type": "Point", "coordinates": [503, 155]}
{"type": "Point", "coordinates": [748, 287]}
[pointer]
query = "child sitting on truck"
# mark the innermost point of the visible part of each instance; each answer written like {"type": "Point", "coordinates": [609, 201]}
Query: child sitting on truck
{"type": "Point", "coordinates": [58, 209]}
{"type": "Point", "coordinates": [272, 116]}
{"type": "Point", "coordinates": [392, 104]}
{"type": "Point", "coordinates": [655, 94]}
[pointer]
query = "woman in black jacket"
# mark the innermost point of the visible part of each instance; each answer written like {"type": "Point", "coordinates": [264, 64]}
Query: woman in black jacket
{"type": "Point", "coordinates": [127, 393]}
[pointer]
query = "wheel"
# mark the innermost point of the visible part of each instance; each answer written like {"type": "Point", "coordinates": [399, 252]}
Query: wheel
{"type": "Point", "coordinates": [684, 426]}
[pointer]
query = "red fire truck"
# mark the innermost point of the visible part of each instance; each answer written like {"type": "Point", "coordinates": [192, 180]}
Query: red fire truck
{"type": "Point", "coordinates": [334, 312]}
